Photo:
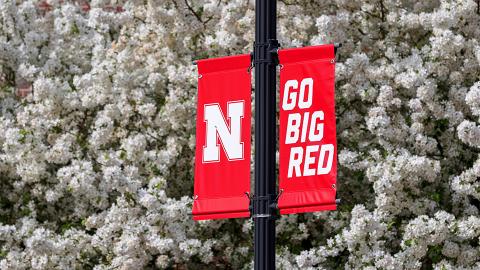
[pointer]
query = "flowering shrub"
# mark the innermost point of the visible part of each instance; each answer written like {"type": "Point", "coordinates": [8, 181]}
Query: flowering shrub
{"type": "Point", "coordinates": [97, 106]}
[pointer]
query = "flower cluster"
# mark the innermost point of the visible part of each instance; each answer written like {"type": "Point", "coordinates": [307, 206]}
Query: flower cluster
{"type": "Point", "coordinates": [97, 121]}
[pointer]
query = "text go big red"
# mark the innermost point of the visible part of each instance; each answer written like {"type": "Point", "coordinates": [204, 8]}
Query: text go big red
{"type": "Point", "coordinates": [305, 126]}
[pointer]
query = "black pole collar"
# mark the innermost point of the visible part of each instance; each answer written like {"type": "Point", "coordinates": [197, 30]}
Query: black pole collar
{"type": "Point", "coordinates": [268, 49]}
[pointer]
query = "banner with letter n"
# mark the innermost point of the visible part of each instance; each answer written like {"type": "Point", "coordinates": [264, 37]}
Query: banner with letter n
{"type": "Point", "coordinates": [222, 156]}
{"type": "Point", "coordinates": [307, 139]}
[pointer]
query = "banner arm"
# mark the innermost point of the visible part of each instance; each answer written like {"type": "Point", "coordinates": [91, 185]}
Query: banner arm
{"type": "Point", "coordinates": [336, 45]}
{"type": "Point", "coordinates": [275, 50]}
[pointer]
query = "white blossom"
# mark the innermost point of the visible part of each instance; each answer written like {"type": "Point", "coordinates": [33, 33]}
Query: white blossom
{"type": "Point", "coordinates": [97, 120]}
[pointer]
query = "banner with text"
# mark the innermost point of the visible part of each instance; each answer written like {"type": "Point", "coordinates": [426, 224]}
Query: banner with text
{"type": "Point", "coordinates": [222, 156]}
{"type": "Point", "coordinates": [307, 139]}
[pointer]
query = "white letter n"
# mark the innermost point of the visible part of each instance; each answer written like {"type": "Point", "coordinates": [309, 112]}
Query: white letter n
{"type": "Point", "coordinates": [230, 137]}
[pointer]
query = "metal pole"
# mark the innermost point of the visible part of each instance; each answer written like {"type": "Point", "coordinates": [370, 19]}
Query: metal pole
{"type": "Point", "coordinates": [264, 205]}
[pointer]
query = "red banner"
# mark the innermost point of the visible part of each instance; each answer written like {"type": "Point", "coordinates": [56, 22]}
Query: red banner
{"type": "Point", "coordinates": [308, 148]}
{"type": "Point", "coordinates": [222, 156]}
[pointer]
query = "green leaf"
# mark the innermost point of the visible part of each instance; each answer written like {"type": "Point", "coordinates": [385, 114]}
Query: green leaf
{"type": "Point", "coordinates": [409, 242]}
{"type": "Point", "coordinates": [123, 154]}
{"type": "Point", "coordinates": [74, 29]}
{"type": "Point", "coordinates": [390, 224]}
{"type": "Point", "coordinates": [23, 135]}
{"type": "Point", "coordinates": [435, 253]}
{"type": "Point", "coordinates": [436, 197]}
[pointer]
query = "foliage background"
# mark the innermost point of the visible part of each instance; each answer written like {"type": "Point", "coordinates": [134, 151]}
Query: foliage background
{"type": "Point", "coordinates": [97, 109]}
